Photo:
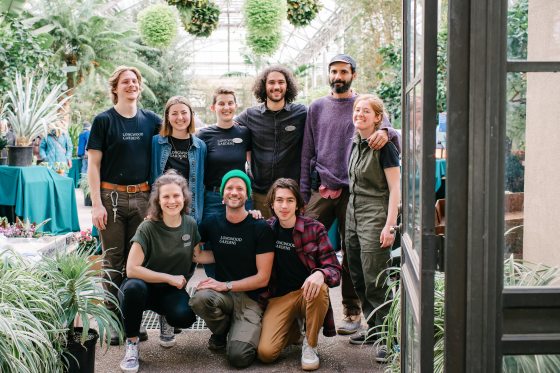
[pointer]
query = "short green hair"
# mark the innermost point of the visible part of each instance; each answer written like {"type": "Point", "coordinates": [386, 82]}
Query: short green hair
{"type": "Point", "coordinates": [236, 173]}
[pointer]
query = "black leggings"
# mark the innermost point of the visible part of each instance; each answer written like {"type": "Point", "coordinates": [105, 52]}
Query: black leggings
{"type": "Point", "coordinates": [136, 296]}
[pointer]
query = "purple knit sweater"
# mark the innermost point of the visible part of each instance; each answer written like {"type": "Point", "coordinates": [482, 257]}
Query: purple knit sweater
{"type": "Point", "coordinates": [327, 142]}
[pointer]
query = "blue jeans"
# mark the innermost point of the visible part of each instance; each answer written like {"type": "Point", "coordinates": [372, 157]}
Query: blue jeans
{"type": "Point", "coordinates": [213, 206]}
{"type": "Point", "coordinates": [84, 165]}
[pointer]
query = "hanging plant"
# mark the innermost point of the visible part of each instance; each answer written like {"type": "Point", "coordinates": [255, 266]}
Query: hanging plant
{"type": "Point", "coordinates": [158, 25]}
{"type": "Point", "coordinates": [302, 12]}
{"type": "Point", "coordinates": [263, 19]}
{"type": "Point", "coordinates": [200, 20]}
{"type": "Point", "coordinates": [187, 3]}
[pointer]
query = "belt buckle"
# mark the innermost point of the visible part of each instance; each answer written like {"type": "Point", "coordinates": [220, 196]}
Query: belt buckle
{"type": "Point", "coordinates": [130, 189]}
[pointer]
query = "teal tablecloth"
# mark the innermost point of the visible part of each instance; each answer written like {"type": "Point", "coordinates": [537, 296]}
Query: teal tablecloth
{"type": "Point", "coordinates": [38, 194]}
{"type": "Point", "coordinates": [75, 172]}
{"type": "Point", "coordinates": [440, 171]}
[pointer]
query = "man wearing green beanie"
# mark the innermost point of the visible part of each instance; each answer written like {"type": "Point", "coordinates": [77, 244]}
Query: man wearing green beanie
{"type": "Point", "coordinates": [243, 249]}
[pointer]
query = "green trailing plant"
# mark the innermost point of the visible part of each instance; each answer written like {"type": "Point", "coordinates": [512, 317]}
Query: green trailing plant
{"type": "Point", "coordinates": [200, 19]}
{"type": "Point", "coordinates": [301, 12]}
{"type": "Point", "coordinates": [31, 107]}
{"type": "Point", "coordinates": [516, 273]}
{"type": "Point", "coordinates": [263, 19]}
{"type": "Point", "coordinates": [187, 3]}
{"type": "Point", "coordinates": [31, 331]}
{"type": "Point", "coordinates": [158, 25]}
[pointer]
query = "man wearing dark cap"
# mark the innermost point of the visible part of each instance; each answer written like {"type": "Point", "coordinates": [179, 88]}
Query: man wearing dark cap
{"type": "Point", "coordinates": [243, 250]}
{"type": "Point", "coordinates": [327, 143]}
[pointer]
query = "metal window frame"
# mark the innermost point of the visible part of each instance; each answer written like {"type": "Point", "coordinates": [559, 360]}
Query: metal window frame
{"type": "Point", "coordinates": [487, 320]}
{"type": "Point", "coordinates": [419, 263]}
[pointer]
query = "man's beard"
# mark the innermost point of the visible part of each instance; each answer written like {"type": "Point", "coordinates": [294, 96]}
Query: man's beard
{"type": "Point", "coordinates": [345, 87]}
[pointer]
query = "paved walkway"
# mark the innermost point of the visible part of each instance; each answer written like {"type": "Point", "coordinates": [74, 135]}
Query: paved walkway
{"type": "Point", "coordinates": [192, 355]}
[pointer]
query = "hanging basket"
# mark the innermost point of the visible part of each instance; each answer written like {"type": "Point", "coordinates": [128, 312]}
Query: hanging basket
{"type": "Point", "coordinates": [200, 20]}
{"type": "Point", "coordinates": [302, 12]}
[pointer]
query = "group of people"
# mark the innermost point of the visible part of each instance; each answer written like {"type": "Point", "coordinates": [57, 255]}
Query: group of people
{"type": "Point", "coordinates": [166, 198]}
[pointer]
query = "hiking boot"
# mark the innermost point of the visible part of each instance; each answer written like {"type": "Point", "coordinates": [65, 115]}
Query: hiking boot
{"type": "Point", "coordinates": [166, 333]}
{"type": "Point", "coordinates": [217, 342]}
{"type": "Point", "coordinates": [363, 339]}
{"type": "Point", "coordinates": [143, 335]}
{"type": "Point", "coordinates": [309, 357]}
{"type": "Point", "coordinates": [349, 325]}
{"type": "Point", "coordinates": [130, 363]}
{"type": "Point", "coordinates": [381, 355]}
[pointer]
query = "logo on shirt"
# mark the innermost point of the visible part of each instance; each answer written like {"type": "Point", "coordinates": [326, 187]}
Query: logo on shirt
{"type": "Point", "coordinates": [132, 136]}
{"type": "Point", "coordinates": [229, 142]}
{"type": "Point", "coordinates": [290, 128]}
{"type": "Point", "coordinates": [179, 154]}
{"type": "Point", "coordinates": [187, 239]}
{"type": "Point", "coordinates": [225, 240]}
{"type": "Point", "coordinates": [287, 246]}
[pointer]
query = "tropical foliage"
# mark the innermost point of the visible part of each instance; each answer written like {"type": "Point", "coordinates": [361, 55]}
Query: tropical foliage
{"type": "Point", "coordinates": [302, 12]}
{"type": "Point", "coordinates": [21, 50]}
{"type": "Point", "coordinates": [263, 20]}
{"type": "Point", "coordinates": [158, 25]}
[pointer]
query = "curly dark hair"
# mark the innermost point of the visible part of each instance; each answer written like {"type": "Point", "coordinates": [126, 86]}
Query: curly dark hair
{"type": "Point", "coordinates": [259, 88]}
{"type": "Point", "coordinates": [169, 177]}
{"type": "Point", "coordinates": [292, 186]}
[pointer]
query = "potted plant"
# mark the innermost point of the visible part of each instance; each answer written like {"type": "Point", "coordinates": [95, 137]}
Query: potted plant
{"type": "Point", "coordinates": [83, 184]}
{"type": "Point", "coordinates": [81, 289]}
{"type": "Point", "coordinates": [302, 12]}
{"type": "Point", "coordinates": [30, 108]}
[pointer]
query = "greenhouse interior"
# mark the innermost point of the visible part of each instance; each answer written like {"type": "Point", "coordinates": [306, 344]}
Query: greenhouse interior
{"type": "Point", "coordinates": [279, 185]}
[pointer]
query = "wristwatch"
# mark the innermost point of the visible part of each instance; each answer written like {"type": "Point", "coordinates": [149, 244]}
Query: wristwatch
{"type": "Point", "coordinates": [229, 286]}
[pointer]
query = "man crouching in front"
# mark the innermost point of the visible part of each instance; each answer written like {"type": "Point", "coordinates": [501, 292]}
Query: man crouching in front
{"type": "Point", "coordinates": [243, 250]}
{"type": "Point", "coordinates": [305, 265]}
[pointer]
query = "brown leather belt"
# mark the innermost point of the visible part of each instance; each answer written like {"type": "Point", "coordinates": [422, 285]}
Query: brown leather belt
{"type": "Point", "coordinates": [143, 187]}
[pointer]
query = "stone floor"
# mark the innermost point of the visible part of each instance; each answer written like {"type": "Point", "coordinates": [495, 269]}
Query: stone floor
{"type": "Point", "coordinates": [191, 354]}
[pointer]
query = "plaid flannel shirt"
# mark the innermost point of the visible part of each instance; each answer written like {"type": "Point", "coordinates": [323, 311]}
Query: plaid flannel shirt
{"type": "Point", "coordinates": [316, 253]}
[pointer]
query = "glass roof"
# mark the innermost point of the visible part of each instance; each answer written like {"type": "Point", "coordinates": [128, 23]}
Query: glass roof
{"type": "Point", "coordinates": [224, 51]}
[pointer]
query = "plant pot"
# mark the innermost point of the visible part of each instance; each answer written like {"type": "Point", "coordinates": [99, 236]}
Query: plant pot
{"type": "Point", "coordinates": [3, 161]}
{"type": "Point", "coordinates": [20, 156]}
{"type": "Point", "coordinates": [87, 201]}
{"type": "Point", "coordinates": [81, 358]}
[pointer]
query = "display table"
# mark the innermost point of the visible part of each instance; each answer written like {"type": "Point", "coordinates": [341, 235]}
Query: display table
{"type": "Point", "coordinates": [37, 194]}
{"type": "Point", "coordinates": [75, 173]}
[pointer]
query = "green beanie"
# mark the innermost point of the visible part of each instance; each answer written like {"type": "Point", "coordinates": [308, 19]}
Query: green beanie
{"type": "Point", "coordinates": [236, 173]}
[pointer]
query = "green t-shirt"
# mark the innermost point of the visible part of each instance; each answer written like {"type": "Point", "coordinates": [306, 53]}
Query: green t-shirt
{"type": "Point", "coordinates": [168, 250]}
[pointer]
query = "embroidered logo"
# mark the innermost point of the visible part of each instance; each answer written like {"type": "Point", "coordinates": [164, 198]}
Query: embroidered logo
{"type": "Point", "coordinates": [290, 128]}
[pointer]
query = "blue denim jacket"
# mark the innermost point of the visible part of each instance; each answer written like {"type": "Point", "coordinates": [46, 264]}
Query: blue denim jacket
{"type": "Point", "coordinates": [161, 148]}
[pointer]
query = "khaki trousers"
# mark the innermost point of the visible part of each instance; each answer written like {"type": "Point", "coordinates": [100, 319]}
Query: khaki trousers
{"type": "Point", "coordinates": [259, 203]}
{"type": "Point", "coordinates": [280, 325]}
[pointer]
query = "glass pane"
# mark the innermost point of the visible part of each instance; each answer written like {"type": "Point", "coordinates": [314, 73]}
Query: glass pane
{"type": "Point", "coordinates": [531, 363]}
{"type": "Point", "coordinates": [411, 42]}
{"type": "Point", "coordinates": [419, 31]}
{"type": "Point", "coordinates": [533, 27]}
{"type": "Point", "coordinates": [410, 193]}
{"type": "Point", "coordinates": [417, 159]}
{"type": "Point", "coordinates": [532, 176]}
{"type": "Point", "coordinates": [412, 358]}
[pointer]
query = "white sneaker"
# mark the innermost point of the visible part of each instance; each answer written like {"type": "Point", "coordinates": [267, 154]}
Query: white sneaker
{"type": "Point", "coordinates": [309, 357]}
{"type": "Point", "coordinates": [130, 363]}
{"type": "Point", "coordinates": [166, 333]}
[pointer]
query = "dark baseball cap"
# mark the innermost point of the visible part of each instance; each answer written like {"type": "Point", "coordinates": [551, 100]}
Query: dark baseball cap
{"type": "Point", "coordinates": [343, 58]}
